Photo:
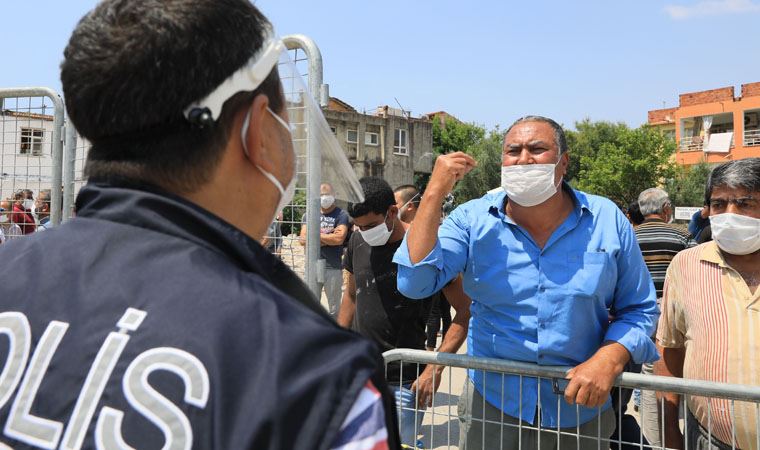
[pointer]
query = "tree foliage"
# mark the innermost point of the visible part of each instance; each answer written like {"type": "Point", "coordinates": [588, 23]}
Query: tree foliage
{"type": "Point", "coordinates": [618, 162]}
{"type": "Point", "coordinates": [487, 175]}
{"type": "Point", "coordinates": [455, 136]}
{"type": "Point", "coordinates": [687, 186]}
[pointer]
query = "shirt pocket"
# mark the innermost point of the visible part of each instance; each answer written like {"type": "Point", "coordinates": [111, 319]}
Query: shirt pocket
{"type": "Point", "coordinates": [591, 274]}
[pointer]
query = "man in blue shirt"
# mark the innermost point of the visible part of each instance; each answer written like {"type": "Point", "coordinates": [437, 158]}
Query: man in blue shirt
{"type": "Point", "coordinates": [556, 278]}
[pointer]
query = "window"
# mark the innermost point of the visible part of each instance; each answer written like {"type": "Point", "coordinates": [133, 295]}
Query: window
{"type": "Point", "coordinates": [352, 137]}
{"type": "Point", "coordinates": [371, 138]}
{"type": "Point", "coordinates": [31, 141]}
{"type": "Point", "coordinates": [399, 142]}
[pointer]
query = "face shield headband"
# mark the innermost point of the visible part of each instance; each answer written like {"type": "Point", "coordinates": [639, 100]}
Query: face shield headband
{"type": "Point", "coordinates": [246, 79]}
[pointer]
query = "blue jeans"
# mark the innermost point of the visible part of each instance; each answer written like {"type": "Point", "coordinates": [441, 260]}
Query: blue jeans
{"type": "Point", "coordinates": [409, 417]}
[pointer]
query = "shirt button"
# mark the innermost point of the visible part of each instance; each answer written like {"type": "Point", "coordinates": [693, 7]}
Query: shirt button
{"type": "Point", "coordinates": [541, 289]}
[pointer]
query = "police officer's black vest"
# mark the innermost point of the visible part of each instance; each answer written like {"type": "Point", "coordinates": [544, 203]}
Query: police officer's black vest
{"type": "Point", "coordinates": [148, 321]}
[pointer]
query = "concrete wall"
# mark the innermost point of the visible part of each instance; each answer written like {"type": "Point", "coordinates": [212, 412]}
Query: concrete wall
{"type": "Point", "coordinates": [381, 160]}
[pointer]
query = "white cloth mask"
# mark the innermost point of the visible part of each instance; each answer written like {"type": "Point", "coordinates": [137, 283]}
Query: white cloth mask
{"type": "Point", "coordinates": [529, 184]}
{"type": "Point", "coordinates": [378, 235]}
{"type": "Point", "coordinates": [3, 218]}
{"type": "Point", "coordinates": [326, 201]}
{"type": "Point", "coordinates": [736, 234]}
{"type": "Point", "coordinates": [286, 194]}
{"type": "Point", "coordinates": [28, 204]}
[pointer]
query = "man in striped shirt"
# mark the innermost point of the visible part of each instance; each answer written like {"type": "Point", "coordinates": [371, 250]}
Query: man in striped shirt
{"type": "Point", "coordinates": [660, 242]}
{"type": "Point", "coordinates": [658, 239]}
{"type": "Point", "coordinates": [710, 323]}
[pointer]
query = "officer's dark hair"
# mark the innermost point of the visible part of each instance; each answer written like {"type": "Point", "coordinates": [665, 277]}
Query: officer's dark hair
{"type": "Point", "coordinates": [407, 192]}
{"type": "Point", "coordinates": [378, 197]}
{"type": "Point", "coordinates": [132, 66]}
{"type": "Point", "coordinates": [559, 134]}
{"type": "Point", "coordinates": [742, 173]}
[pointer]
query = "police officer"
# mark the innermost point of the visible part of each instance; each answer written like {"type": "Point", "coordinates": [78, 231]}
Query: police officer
{"type": "Point", "coordinates": [160, 321]}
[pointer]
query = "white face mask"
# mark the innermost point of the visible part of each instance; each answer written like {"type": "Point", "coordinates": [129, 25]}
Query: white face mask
{"type": "Point", "coordinates": [3, 218]}
{"type": "Point", "coordinates": [736, 234]}
{"type": "Point", "coordinates": [28, 204]}
{"type": "Point", "coordinates": [529, 184]}
{"type": "Point", "coordinates": [326, 201]}
{"type": "Point", "coordinates": [286, 194]}
{"type": "Point", "coordinates": [378, 235]}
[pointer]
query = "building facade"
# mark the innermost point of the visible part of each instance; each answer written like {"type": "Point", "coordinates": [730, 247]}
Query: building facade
{"type": "Point", "coordinates": [388, 144]}
{"type": "Point", "coordinates": [713, 126]}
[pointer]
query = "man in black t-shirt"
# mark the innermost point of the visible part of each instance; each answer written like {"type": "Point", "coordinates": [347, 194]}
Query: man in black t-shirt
{"type": "Point", "coordinates": [372, 304]}
{"type": "Point", "coordinates": [333, 228]}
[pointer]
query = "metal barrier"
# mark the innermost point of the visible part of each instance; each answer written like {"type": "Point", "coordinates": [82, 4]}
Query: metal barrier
{"type": "Point", "coordinates": [439, 425]}
{"type": "Point", "coordinates": [31, 154]}
{"type": "Point", "coordinates": [303, 256]}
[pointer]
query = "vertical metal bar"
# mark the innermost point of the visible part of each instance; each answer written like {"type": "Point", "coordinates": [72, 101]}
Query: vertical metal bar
{"type": "Point", "coordinates": [733, 426]}
{"type": "Point", "coordinates": [57, 155]}
{"type": "Point", "coordinates": [70, 155]}
{"type": "Point", "coordinates": [520, 414]}
{"type": "Point", "coordinates": [483, 415]}
{"type": "Point", "coordinates": [314, 271]}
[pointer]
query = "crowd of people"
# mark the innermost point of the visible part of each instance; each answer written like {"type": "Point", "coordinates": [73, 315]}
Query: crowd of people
{"type": "Point", "coordinates": [164, 319]}
{"type": "Point", "coordinates": [23, 215]}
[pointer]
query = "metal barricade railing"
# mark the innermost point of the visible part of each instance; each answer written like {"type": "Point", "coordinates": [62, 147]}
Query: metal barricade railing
{"type": "Point", "coordinates": [456, 408]}
{"type": "Point", "coordinates": [31, 155]}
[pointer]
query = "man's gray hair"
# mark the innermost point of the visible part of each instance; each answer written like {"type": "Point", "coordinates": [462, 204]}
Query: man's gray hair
{"type": "Point", "coordinates": [742, 173]}
{"type": "Point", "coordinates": [653, 201]}
{"type": "Point", "coordinates": [559, 133]}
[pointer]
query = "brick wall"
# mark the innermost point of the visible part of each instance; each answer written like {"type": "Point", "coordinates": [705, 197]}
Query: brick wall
{"type": "Point", "coordinates": [711, 96]}
{"type": "Point", "coordinates": [750, 90]}
{"type": "Point", "coordinates": [662, 116]}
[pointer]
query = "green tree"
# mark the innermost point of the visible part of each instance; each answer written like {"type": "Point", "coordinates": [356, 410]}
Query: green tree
{"type": "Point", "coordinates": [687, 186]}
{"type": "Point", "coordinates": [587, 140]}
{"type": "Point", "coordinates": [622, 162]}
{"type": "Point", "coordinates": [487, 175]}
{"type": "Point", "coordinates": [455, 136]}
{"type": "Point", "coordinates": [452, 136]}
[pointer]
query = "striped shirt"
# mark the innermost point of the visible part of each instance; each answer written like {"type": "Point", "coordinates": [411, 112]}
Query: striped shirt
{"type": "Point", "coordinates": [659, 243]}
{"type": "Point", "coordinates": [709, 310]}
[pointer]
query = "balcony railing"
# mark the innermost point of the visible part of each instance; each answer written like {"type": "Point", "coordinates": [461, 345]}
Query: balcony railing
{"type": "Point", "coordinates": [751, 138]}
{"type": "Point", "coordinates": [691, 144]}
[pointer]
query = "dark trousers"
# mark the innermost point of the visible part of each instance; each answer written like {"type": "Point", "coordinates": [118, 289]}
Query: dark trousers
{"type": "Point", "coordinates": [440, 311]}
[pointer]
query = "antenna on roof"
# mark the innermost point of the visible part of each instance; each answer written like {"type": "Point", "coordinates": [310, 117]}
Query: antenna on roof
{"type": "Point", "coordinates": [403, 111]}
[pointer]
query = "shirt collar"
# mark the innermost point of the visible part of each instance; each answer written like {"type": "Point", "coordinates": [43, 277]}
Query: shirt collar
{"type": "Point", "coordinates": [711, 253]}
{"type": "Point", "coordinates": [498, 200]}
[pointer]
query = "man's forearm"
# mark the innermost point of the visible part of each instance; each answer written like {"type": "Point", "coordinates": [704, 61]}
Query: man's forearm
{"type": "Point", "coordinates": [670, 365]}
{"type": "Point", "coordinates": [423, 232]}
{"type": "Point", "coordinates": [332, 239]}
{"type": "Point", "coordinates": [347, 310]}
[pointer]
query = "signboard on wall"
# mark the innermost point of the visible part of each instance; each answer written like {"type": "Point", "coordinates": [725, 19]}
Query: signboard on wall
{"type": "Point", "coordinates": [685, 212]}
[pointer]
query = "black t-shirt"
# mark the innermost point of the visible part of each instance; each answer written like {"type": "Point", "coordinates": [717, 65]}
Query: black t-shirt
{"type": "Point", "coordinates": [328, 223]}
{"type": "Point", "coordinates": [383, 314]}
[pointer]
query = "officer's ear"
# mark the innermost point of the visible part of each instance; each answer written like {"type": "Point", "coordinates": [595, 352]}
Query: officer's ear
{"type": "Point", "coordinates": [259, 137]}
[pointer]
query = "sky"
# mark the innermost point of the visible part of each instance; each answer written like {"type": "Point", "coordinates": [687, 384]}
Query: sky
{"type": "Point", "coordinates": [487, 62]}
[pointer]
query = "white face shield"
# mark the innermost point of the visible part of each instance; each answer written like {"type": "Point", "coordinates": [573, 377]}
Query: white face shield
{"type": "Point", "coordinates": [307, 122]}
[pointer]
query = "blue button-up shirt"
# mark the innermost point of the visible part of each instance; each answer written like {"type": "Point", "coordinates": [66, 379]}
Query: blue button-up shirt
{"type": "Point", "coordinates": [546, 306]}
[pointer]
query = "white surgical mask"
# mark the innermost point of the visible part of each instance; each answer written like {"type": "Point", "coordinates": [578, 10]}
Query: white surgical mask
{"type": "Point", "coordinates": [286, 194]}
{"type": "Point", "coordinates": [736, 234]}
{"type": "Point", "coordinates": [3, 218]}
{"type": "Point", "coordinates": [529, 184]}
{"type": "Point", "coordinates": [378, 235]}
{"type": "Point", "coordinates": [326, 201]}
{"type": "Point", "coordinates": [28, 204]}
